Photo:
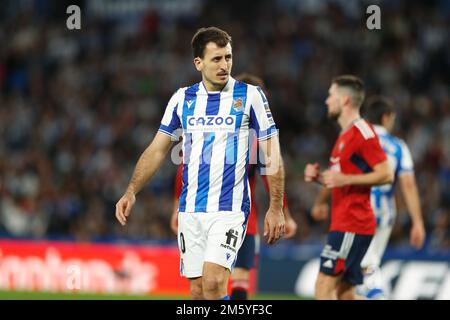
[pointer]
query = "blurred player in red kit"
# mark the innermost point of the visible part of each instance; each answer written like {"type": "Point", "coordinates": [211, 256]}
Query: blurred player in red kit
{"type": "Point", "coordinates": [356, 164]}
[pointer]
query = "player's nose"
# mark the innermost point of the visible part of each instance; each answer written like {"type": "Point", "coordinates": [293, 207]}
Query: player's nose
{"type": "Point", "coordinates": [223, 65]}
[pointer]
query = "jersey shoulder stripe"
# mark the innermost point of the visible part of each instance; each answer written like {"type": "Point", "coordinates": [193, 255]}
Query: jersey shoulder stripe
{"type": "Point", "coordinates": [365, 130]}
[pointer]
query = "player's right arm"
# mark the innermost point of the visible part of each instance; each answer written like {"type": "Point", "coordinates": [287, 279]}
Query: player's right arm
{"type": "Point", "coordinates": [151, 159]}
{"type": "Point", "coordinates": [148, 163]}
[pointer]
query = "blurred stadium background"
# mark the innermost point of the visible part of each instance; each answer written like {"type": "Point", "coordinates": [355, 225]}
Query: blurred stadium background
{"type": "Point", "coordinates": [77, 107]}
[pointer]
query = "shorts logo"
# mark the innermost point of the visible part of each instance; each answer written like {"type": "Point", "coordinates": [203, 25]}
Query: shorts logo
{"type": "Point", "coordinates": [232, 235]}
{"type": "Point", "coordinates": [328, 264]}
{"type": "Point", "coordinates": [228, 256]}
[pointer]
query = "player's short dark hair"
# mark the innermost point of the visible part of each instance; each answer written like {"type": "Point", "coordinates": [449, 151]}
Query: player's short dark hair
{"type": "Point", "coordinates": [203, 36]}
{"type": "Point", "coordinates": [378, 106]}
{"type": "Point", "coordinates": [251, 79]}
{"type": "Point", "coordinates": [354, 84]}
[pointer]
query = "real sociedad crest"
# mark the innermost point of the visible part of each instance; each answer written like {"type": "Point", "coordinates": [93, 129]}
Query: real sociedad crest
{"type": "Point", "coordinates": [238, 105]}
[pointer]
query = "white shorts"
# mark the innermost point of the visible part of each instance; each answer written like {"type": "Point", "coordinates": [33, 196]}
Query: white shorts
{"type": "Point", "coordinates": [209, 237]}
{"type": "Point", "coordinates": [377, 246]}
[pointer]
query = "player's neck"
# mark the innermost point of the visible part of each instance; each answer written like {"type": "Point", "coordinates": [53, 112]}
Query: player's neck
{"type": "Point", "coordinates": [211, 87]}
{"type": "Point", "coordinates": [348, 117]}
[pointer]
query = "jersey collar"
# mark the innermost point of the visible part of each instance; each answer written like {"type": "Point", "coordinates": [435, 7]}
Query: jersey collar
{"type": "Point", "coordinates": [380, 129]}
{"type": "Point", "coordinates": [350, 125]}
{"type": "Point", "coordinates": [228, 87]}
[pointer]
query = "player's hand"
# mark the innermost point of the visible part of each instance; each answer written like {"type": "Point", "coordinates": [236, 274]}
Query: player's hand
{"type": "Point", "coordinates": [290, 228]}
{"type": "Point", "coordinates": [312, 172]}
{"type": "Point", "coordinates": [320, 211]}
{"type": "Point", "coordinates": [417, 235]}
{"type": "Point", "coordinates": [273, 225]}
{"type": "Point", "coordinates": [123, 207]}
{"type": "Point", "coordinates": [174, 222]}
{"type": "Point", "coordinates": [334, 179]}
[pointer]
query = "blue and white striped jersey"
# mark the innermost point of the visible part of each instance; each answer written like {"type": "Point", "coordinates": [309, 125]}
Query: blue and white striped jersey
{"type": "Point", "coordinates": [215, 128]}
{"type": "Point", "coordinates": [400, 161]}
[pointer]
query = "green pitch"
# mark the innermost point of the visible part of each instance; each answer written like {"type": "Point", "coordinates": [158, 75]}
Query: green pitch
{"type": "Point", "coordinates": [16, 295]}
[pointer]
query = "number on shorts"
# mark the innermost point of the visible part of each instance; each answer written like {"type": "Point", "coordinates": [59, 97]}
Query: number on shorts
{"type": "Point", "coordinates": [182, 244]}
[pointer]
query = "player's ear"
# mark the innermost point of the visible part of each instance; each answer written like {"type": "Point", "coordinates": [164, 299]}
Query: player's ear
{"type": "Point", "coordinates": [346, 100]}
{"type": "Point", "coordinates": [198, 64]}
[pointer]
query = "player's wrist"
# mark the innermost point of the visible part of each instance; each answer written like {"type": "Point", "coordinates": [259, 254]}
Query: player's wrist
{"type": "Point", "coordinates": [417, 222]}
{"type": "Point", "coordinates": [276, 207]}
{"type": "Point", "coordinates": [130, 192]}
{"type": "Point", "coordinates": [347, 179]}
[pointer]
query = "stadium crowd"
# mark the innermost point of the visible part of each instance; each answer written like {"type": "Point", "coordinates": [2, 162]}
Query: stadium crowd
{"type": "Point", "coordinates": [77, 107]}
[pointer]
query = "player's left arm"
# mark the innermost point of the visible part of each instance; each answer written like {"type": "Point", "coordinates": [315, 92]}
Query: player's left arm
{"type": "Point", "coordinates": [290, 224]}
{"type": "Point", "coordinates": [274, 222]}
{"type": "Point", "coordinates": [262, 122]}
{"type": "Point", "coordinates": [380, 175]}
{"type": "Point", "coordinates": [408, 186]}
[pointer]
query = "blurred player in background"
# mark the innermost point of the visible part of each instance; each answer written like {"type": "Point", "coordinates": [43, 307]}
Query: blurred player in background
{"type": "Point", "coordinates": [247, 256]}
{"type": "Point", "coordinates": [381, 113]}
{"type": "Point", "coordinates": [357, 162]}
{"type": "Point", "coordinates": [216, 116]}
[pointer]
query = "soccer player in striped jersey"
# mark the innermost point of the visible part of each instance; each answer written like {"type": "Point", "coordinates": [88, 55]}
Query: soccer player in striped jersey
{"type": "Point", "coordinates": [247, 255]}
{"type": "Point", "coordinates": [357, 163]}
{"type": "Point", "coordinates": [381, 113]}
{"type": "Point", "coordinates": [216, 117]}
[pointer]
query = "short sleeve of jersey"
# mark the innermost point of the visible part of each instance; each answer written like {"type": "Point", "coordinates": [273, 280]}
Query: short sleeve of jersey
{"type": "Point", "coordinates": [261, 119]}
{"type": "Point", "coordinates": [406, 162]}
{"type": "Point", "coordinates": [371, 151]}
{"type": "Point", "coordinates": [170, 121]}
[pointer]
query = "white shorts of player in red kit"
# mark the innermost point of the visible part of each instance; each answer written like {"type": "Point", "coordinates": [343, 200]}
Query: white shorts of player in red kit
{"type": "Point", "coordinates": [209, 237]}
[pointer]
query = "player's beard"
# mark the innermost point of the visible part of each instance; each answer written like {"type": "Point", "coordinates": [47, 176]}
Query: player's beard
{"type": "Point", "coordinates": [334, 115]}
